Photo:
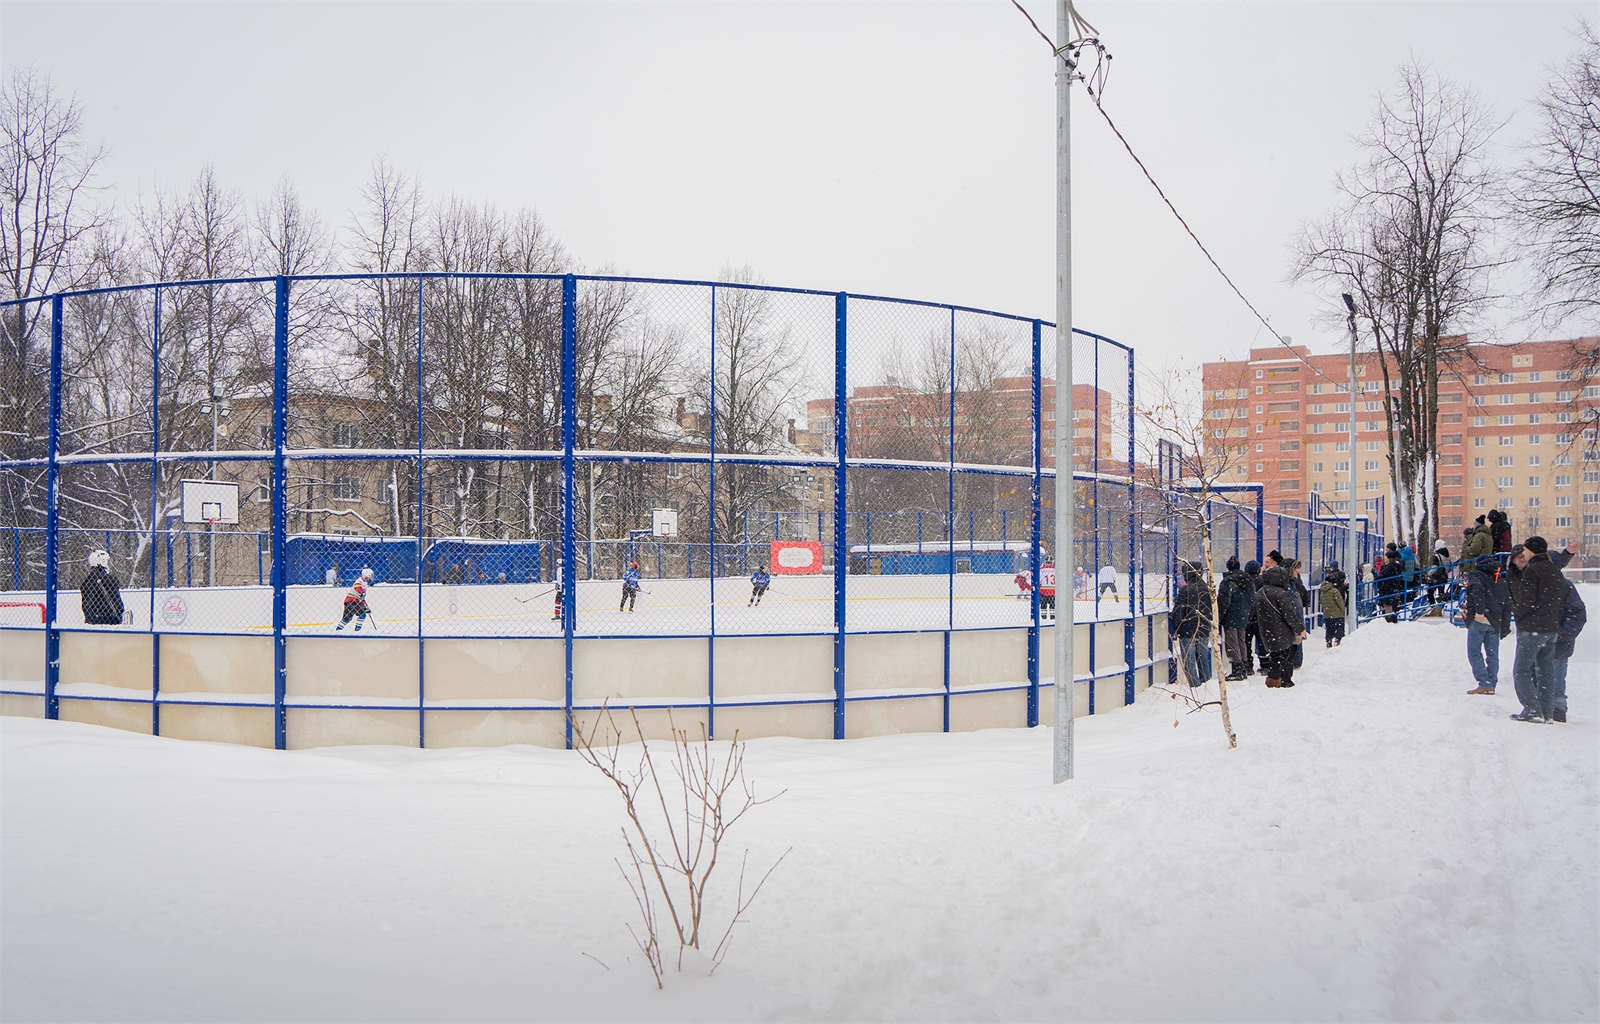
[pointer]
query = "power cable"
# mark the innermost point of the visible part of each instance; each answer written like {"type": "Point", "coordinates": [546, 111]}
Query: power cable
{"type": "Point", "coordinates": [1094, 84]}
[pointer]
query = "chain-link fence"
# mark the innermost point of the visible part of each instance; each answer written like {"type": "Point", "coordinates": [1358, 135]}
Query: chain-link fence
{"type": "Point", "coordinates": [779, 498]}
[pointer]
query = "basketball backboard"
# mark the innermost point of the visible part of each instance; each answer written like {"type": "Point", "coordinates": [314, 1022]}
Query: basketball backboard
{"type": "Point", "coordinates": [211, 501]}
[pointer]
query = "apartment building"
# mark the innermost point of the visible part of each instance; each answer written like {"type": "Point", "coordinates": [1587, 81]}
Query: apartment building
{"type": "Point", "coordinates": [994, 425]}
{"type": "Point", "coordinates": [1517, 431]}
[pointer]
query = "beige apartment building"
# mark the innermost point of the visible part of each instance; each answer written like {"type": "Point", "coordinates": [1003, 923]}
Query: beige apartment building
{"type": "Point", "coordinates": [1517, 431]}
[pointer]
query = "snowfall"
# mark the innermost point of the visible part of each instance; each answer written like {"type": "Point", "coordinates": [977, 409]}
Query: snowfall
{"type": "Point", "coordinates": [1380, 846]}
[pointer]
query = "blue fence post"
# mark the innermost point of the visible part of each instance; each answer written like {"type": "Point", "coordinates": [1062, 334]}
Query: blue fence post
{"type": "Point", "coordinates": [280, 428]}
{"type": "Point", "coordinates": [1033, 537]}
{"type": "Point", "coordinates": [841, 411]}
{"type": "Point", "coordinates": [569, 493]}
{"type": "Point", "coordinates": [422, 675]}
{"type": "Point", "coordinates": [1133, 541]}
{"type": "Point", "coordinates": [52, 635]}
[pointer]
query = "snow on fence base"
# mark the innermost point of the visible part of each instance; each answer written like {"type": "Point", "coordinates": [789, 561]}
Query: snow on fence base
{"type": "Point", "coordinates": [476, 682]}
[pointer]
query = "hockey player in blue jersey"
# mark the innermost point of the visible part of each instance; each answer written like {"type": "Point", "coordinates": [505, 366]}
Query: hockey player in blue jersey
{"type": "Point", "coordinates": [760, 580]}
{"type": "Point", "coordinates": [630, 587]}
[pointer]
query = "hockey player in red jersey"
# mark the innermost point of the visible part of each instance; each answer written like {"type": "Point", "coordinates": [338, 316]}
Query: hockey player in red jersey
{"type": "Point", "coordinates": [355, 602]}
{"type": "Point", "coordinates": [1047, 591]}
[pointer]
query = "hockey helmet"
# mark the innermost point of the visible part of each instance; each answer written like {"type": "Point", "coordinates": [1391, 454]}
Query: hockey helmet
{"type": "Point", "coordinates": [101, 558]}
{"type": "Point", "coordinates": [633, 565]}
{"type": "Point", "coordinates": [366, 574]}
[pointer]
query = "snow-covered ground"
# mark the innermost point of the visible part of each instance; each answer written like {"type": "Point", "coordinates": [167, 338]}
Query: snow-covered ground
{"type": "Point", "coordinates": [1381, 846]}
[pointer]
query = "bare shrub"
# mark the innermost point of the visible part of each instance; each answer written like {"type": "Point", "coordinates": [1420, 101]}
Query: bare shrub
{"type": "Point", "coordinates": [678, 818]}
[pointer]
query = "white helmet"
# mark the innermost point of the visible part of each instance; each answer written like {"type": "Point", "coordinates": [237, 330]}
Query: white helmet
{"type": "Point", "coordinates": [100, 558]}
{"type": "Point", "coordinates": [366, 574]}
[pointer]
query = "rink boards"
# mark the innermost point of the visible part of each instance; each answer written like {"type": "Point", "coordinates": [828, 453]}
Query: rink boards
{"type": "Point", "coordinates": [921, 654]}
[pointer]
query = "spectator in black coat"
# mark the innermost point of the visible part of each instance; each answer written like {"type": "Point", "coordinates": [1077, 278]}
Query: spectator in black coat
{"type": "Point", "coordinates": [1573, 616]}
{"type": "Point", "coordinates": [1235, 596]}
{"type": "Point", "coordinates": [1487, 609]}
{"type": "Point", "coordinates": [1190, 622]}
{"type": "Point", "coordinates": [1500, 529]}
{"type": "Point", "coordinates": [101, 592]}
{"type": "Point", "coordinates": [1279, 619]}
{"type": "Point", "coordinates": [1537, 593]}
{"type": "Point", "coordinates": [1391, 585]}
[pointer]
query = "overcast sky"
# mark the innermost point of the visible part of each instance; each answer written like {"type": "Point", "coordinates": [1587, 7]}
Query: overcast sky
{"type": "Point", "coordinates": [890, 148]}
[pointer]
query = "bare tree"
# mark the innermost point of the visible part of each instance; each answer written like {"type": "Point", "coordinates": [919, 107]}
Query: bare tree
{"type": "Point", "coordinates": [1555, 194]}
{"type": "Point", "coordinates": [1409, 241]}
{"type": "Point", "coordinates": [1207, 466]}
{"type": "Point", "coordinates": [46, 189]}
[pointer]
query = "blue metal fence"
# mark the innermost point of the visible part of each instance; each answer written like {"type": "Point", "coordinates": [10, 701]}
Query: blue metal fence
{"type": "Point", "coordinates": [474, 491]}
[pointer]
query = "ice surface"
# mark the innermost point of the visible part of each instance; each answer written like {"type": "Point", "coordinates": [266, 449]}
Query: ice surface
{"type": "Point", "coordinates": [1381, 846]}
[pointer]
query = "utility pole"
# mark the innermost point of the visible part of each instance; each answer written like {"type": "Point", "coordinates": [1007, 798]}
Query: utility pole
{"type": "Point", "coordinates": [1352, 620]}
{"type": "Point", "coordinates": [1065, 706]}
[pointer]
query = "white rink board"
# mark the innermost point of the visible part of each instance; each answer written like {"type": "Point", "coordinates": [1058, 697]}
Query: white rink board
{"type": "Point", "coordinates": [795, 604]}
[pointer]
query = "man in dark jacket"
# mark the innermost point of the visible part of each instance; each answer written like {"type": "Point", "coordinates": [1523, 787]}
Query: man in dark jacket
{"type": "Point", "coordinates": [1487, 609]}
{"type": "Point", "coordinates": [1279, 618]}
{"type": "Point", "coordinates": [101, 592]}
{"type": "Point", "coordinates": [1390, 584]}
{"type": "Point", "coordinates": [1537, 592]}
{"type": "Point", "coordinates": [1190, 622]}
{"type": "Point", "coordinates": [1235, 595]}
{"type": "Point", "coordinates": [1573, 616]}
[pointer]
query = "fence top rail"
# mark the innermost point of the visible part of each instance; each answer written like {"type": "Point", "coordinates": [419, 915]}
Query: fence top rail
{"type": "Point", "coordinates": [441, 275]}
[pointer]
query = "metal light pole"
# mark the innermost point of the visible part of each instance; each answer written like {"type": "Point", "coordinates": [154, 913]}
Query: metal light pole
{"type": "Point", "coordinates": [1065, 689]}
{"type": "Point", "coordinates": [1352, 620]}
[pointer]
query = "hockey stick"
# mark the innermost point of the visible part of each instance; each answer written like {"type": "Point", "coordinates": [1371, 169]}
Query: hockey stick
{"type": "Point", "coordinates": [526, 600]}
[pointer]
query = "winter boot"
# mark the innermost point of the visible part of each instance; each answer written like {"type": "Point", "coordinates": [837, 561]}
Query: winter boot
{"type": "Point", "coordinates": [1526, 715]}
{"type": "Point", "coordinates": [1488, 690]}
{"type": "Point", "coordinates": [1273, 684]}
{"type": "Point", "coordinates": [1561, 716]}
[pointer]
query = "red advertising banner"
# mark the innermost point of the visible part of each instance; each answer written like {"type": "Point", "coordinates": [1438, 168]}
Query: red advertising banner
{"type": "Point", "coordinates": [796, 557]}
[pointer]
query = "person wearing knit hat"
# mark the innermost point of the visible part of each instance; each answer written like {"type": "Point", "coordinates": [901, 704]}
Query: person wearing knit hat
{"type": "Point", "coordinates": [1537, 593]}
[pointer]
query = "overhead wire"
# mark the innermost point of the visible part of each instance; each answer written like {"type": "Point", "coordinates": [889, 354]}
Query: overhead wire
{"type": "Point", "coordinates": [1094, 84]}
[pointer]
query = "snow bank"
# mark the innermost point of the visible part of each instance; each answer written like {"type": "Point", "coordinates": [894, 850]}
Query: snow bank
{"type": "Point", "coordinates": [1381, 846]}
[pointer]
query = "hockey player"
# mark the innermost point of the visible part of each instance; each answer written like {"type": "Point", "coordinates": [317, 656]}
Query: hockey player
{"type": "Point", "coordinates": [1047, 591]}
{"type": "Point", "coordinates": [760, 580]}
{"type": "Point", "coordinates": [630, 587]}
{"type": "Point", "coordinates": [555, 616]}
{"type": "Point", "coordinates": [1023, 585]}
{"type": "Point", "coordinates": [355, 602]}
{"type": "Point", "coordinates": [101, 592]}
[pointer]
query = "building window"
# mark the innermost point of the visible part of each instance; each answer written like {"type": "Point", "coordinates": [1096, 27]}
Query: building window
{"type": "Point", "coordinates": [1316, 410]}
{"type": "Point", "coordinates": [1372, 485]}
{"type": "Point", "coordinates": [1535, 438]}
{"type": "Point", "coordinates": [1288, 485]}
{"type": "Point", "coordinates": [1477, 503]}
{"type": "Point", "coordinates": [346, 435]}
{"type": "Point", "coordinates": [1563, 417]}
{"type": "Point", "coordinates": [1506, 378]}
{"type": "Point", "coordinates": [1508, 399]}
{"type": "Point", "coordinates": [263, 435]}
{"type": "Point", "coordinates": [1508, 503]}
{"type": "Point", "coordinates": [1477, 482]}
{"type": "Point", "coordinates": [1508, 460]}
{"type": "Point", "coordinates": [1563, 521]}
{"type": "Point", "coordinates": [1563, 501]}
{"type": "Point", "coordinates": [1316, 428]}
{"type": "Point", "coordinates": [1563, 375]}
{"type": "Point", "coordinates": [1506, 439]}
{"type": "Point", "coordinates": [1506, 481]}
{"type": "Point", "coordinates": [1506, 421]}
{"type": "Point", "coordinates": [1480, 421]}
{"type": "Point", "coordinates": [1316, 467]}
{"type": "Point", "coordinates": [1563, 479]}
{"type": "Point", "coordinates": [1533, 502]}
{"type": "Point", "coordinates": [1533, 398]}
{"type": "Point", "coordinates": [1479, 400]}
{"type": "Point", "coordinates": [1372, 446]}
{"type": "Point", "coordinates": [1316, 389]}
{"type": "Point", "coordinates": [1479, 442]}
{"type": "Point", "coordinates": [347, 488]}
{"type": "Point", "coordinates": [1316, 449]}
{"type": "Point", "coordinates": [1533, 460]}
{"type": "Point", "coordinates": [1535, 418]}
{"type": "Point", "coordinates": [1563, 396]}
{"type": "Point", "coordinates": [263, 488]}
{"type": "Point", "coordinates": [1479, 379]}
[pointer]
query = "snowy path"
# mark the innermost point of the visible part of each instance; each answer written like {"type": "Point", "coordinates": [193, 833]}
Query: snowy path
{"type": "Point", "coordinates": [1380, 846]}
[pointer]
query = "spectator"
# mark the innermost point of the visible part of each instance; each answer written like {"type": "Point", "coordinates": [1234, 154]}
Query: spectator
{"type": "Point", "coordinates": [1500, 528]}
{"type": "Point", "coordinates": [1190, 622]}
{"type": "Point", "coordinates": [1439, 576]}
{"type": "Point", "coordinates": [1537, 595]}
{"type": "Point", "coordinates": [101, 592]}
{"type": "Point", "coordinates": [1333, 596]}
{"type": "Point", "coordinates": [1391, 586]}
{"type": "Point", "coordinates": [1573, 616]}
{"type": "Point", "coordinates": [1252, 572]}
{"type": "Point", "coordinates": [1235, 595]}
{"type": "Point", "coordinates": [1480, 541]}
{"type": "Point", "coordinates": [1487, 609]}
{"type": "Point", "coordinates": [1295, 567]}
{"type": "Point", "coordinates": [1279, 618]}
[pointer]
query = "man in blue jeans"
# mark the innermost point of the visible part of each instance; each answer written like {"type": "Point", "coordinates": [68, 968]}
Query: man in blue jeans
{"type": "Point", "coordinates": [1537, 593]}
{"type": "Point", "coordinates": [1487, 609]}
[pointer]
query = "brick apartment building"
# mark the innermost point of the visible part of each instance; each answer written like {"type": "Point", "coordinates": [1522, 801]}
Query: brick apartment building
{"type": "Point", "coordinates": [1517, 431]}
{"type": "Point", "coordinates": [995, 425]}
